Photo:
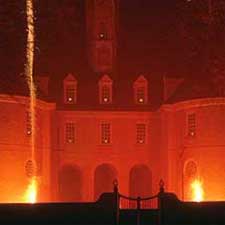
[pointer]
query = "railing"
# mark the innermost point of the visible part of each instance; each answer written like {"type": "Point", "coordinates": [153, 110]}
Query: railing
{"type": "Point", "coordinates": [138, 203]}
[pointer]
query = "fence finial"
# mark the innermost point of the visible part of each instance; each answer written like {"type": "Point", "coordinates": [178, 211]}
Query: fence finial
{"type": "Point", "coordinates": [161, 186]}
{"type": "Point", "coordinates": [115, 185]}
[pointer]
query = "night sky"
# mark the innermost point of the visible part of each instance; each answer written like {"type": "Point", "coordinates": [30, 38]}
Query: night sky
{"type": "Point", "coordinates": [159, 37]}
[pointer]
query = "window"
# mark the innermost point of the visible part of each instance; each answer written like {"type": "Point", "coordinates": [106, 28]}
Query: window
{"type": "Point", "coordinates": [70, 89]}
{"type": "Point", "coordinates": [140, 93]}
{"type": "Point", "coordinates": [28, 123]}
{"type": "Point", "coordinates": [141, 90]}
{"type": "Point", "coordinates": [70, 93]}
{"type": "Point", "coordinates": [105, 133]}
{"type": "Point", "coordinates": [105, 94]}
{"type": "Point", "coordinates": [141, 133]}
{"type": "Point", "coordinates": [191, 125]}
{"type": "Point", "coordinates": [105, 90]}
{"type": "Point", "coordinates": [70, 133]}
{"type": "Point", "coordinates": [102, 31]}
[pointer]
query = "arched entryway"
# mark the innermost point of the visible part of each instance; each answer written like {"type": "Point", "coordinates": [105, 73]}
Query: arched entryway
{"type": "Point", "coordinates": [140, 181]}
{"type": "Point", "coordinates": [70, 184]}
{"type": "Point", "coordinates": [104, 176]}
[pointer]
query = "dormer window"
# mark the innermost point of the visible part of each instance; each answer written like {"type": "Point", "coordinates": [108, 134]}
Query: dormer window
{"type": "Point", "coordinates": [105, 90]}
{"type": "Point", "coordinates": [141, 90]}
{"type": "Point", "coordinates": [70, 89]}
{"type": "Point", "coordinates": [102, 35]}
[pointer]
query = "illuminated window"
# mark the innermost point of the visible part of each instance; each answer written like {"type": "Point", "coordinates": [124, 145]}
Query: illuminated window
{"type": "Point", "coordinates": [102, 34]}
{"type": "Point", "coordinates": [105, 90]}
{"type": "Point", "coordinates": [28, 123]}
{"type": "Point", "coordinates": [191, 125]}
{"type": "Point", "coordinates": [105, 93]}
{"type": "Point", "coordinates": [70, 89]}
{"type": "Point", "coordinates": [141, 90]}
{"type": "Point", "coordinates": [70, 133]}
{"type": "Point", "coordinates": [70, 93]}
{"type": "Point", "coordinates": [141, 133]}
{"type": "Point", "coordinates": [105, 133]}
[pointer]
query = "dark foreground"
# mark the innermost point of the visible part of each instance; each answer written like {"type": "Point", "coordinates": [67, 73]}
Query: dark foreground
{"type": "Point", "coordinates": [106, 211]}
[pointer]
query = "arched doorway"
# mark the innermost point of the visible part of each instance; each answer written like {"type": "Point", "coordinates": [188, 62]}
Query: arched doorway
{"type": "Point", "coordinates": [104, 176]}
{"type": "Point", "coordinates": [189, 175]}
{"type": "Point", "coordinates": [140, 181]}
{"type": "Point", "coordinates": [70, 184]}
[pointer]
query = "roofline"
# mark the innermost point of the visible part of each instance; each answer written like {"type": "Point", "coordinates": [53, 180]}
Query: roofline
{"type": "Point", "coordinates": [24, 100]}
{"type": "Point", "coordinates": [200, 102]}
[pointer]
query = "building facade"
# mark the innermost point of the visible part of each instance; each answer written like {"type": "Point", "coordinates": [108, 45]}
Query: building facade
{"type": "Point", "coordinates": [102, 128]}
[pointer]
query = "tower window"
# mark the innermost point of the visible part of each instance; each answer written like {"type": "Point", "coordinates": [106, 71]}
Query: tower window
{"type": "Point", "coordinates": [70, 89]}
{"type": "Point", "coordinates": [141, 90]}
{"type": "Point", "coordinates": [105, 90]}
{"type": "Point", "coordinates": [105, 133]}
{"type": "Point", "coordinates": [141, 133]}
{"type": "Point", "coordinates": [191, 124]}
{"type": "Point", "coordinates": [70, 133]}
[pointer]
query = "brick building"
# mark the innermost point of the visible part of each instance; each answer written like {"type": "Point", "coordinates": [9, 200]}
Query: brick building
{"type": "Point", "coordinates": [94, 126]}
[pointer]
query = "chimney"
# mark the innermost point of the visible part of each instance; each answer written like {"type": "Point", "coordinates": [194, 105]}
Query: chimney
{"type": "Point", "coordinates": [42, 83]}
{"type": "Point", "coordinates": [170, 86]}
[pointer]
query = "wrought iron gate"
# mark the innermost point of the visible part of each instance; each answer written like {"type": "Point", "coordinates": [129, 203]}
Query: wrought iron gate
{"type": "Point", "coordinates": [138, 211]}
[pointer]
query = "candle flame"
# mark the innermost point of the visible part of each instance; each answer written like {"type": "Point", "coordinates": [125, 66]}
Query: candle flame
{"type": "Point", "coordinates": [197, 191]}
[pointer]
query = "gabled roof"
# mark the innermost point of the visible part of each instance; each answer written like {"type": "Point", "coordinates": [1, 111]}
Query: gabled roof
{"type": "Point", "coordinates": [105, 79]}
{"type": "Point", "coordinates": [70, 78]}
{"type": "Point", "coordinates": [141, 80]}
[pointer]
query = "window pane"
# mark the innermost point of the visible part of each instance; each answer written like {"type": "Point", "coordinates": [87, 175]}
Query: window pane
{"type": "Point", "coordinates": [140, 95]}
{"type": "Point", "coordinates": [191, 120]}
{"type": "Point", "coordinates": [70, 133]}
{"type": "Point", "coordinates": [105, 133]}
{"type": "Point", "coordinates": [70, 93]}
{"type": "Point", "coordinates": [105, 94]}
{"type": "Point", "coordinates": [141, 133]}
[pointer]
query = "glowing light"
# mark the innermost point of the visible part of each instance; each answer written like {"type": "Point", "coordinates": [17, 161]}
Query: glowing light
{"type": "Point", "coordinates": [197, 191]}
{"type": "Point", "coordinates": [141, 100]}
{"type": "Point", "coordinates": [70, 99]}
{"type": "Point", "coordinates": [31, 192]}
{"type": "Point", "coordinates": [101, 35]}
{"type": "Point", "coordinates": [105, 99]}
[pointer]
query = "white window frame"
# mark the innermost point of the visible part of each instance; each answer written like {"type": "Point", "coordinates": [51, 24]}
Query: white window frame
{"type": "Point", "coordinates": [105, 82]}
{"type": "Point", "coordinates": [191, 126]}
{"type": "Point", "coordinates": [102, 140]}
{"type": "Point", "coordinates": [66, 136]}
{"type": "Point", "coordinates": [137, 134]}
{"type": "Point", "coordinates": [69, 82]}
{"type": "Point", "coordinates": [141, 83]}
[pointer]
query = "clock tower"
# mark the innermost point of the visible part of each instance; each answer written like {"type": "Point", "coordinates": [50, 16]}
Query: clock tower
{"type": "Point", "coordinates": [101, 19]}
